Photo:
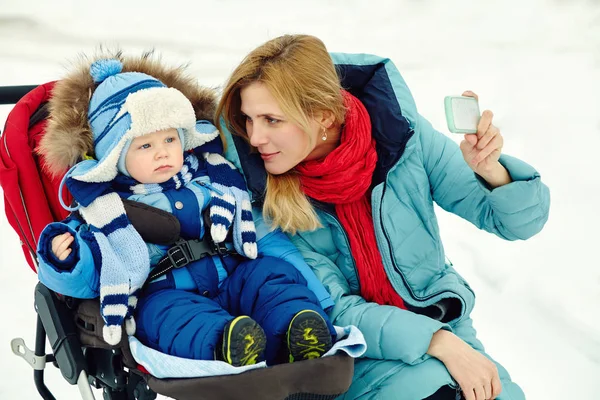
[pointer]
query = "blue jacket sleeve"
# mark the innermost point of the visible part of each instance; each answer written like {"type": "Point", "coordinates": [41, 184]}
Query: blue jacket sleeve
{"type": "Point", "coordinates": [275, 243]}
{"type": "Point", "coordinates": [517, 210]}
{"type": "Point", "coordinates": [77, 275]}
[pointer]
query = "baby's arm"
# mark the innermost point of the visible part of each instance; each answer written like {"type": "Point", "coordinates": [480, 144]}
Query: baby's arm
{"type": "Point", "coordinates": [66, 259]}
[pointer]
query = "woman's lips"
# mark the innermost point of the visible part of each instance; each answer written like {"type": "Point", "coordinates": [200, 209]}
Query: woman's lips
{"type": "Point", "coordinates": [268, 156]}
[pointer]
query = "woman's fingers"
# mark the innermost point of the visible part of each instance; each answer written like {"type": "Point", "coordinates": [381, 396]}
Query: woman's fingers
{"type": "Point", "coordinates": [487, 137]}
{"type": "Point", "coordinates": [471, 139]}
{"type": "Point", "coordinates": [468, 393]}
{"type": "Point", "coordinates": [494, 145]}
{"type": "Point", "coordinates": [468, 148]}
{"type": "Point", "coordinates": [468, 93]}
{"type": "Point", "coordinates": [479, 392]}
{"type": "Point", "coordinates": [487, 389]}
{"type": "Point", "coordinates": [496, 386]}
{"type": "Point", "coordinates": [484, 122]}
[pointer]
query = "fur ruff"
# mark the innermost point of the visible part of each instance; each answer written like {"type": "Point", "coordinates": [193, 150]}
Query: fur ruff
{"type": "Point", "coordinates": [68, 135]}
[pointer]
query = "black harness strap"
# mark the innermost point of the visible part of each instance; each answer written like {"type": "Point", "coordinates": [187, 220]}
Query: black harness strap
{"type": "Point", "coordinates": [184, 252]}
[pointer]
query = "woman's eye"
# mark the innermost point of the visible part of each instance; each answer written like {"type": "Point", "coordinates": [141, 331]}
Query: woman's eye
{"type": "Point", "coordinates": [271, 121]}
{"type": "Point", "coordinates": [247, 119]}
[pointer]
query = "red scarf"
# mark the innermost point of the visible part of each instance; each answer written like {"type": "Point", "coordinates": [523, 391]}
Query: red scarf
{"type": "Point", "coordinates": [343, 178]}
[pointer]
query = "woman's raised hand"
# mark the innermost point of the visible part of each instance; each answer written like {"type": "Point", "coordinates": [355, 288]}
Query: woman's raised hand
{"type": "Point", "coordinates": [482, 150]}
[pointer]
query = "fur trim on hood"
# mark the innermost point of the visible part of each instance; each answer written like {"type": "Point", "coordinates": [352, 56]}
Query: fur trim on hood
{"type": "Point", "coordinates": [68, 134]}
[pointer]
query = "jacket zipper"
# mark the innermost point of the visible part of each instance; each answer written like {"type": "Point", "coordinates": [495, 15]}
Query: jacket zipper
{"type": "Point", "coordinates": [210, 187]}
{"type": "Point", "coordinates": [337, 223]}
{"type": "Point", "coordinates": [345, 235]}
{"type": "Point", "coordinates": [406, 285]}
{"type": "Point", "coordinates": [458, 395]}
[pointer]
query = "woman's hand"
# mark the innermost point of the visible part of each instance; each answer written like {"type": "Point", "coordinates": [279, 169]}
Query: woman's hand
{"type": "Point", "coordinates": [476, 374]}
{"type": "Point", "coordinates": [61, 245]}
{"type": "Point", "coordinates": [481, 151]}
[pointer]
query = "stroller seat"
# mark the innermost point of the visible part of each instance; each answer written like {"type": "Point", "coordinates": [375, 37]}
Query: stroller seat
{"type": "Point", "coordinates": [74, 330]}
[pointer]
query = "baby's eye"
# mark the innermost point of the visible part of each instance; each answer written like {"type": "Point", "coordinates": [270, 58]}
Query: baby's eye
{"type": "Point", "coordinates": [170, 139]}
{"type": "Point", "coordinates": [145, 146]}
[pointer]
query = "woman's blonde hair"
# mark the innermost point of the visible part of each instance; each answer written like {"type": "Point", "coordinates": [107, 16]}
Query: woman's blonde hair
{"type": "Point", "coordinates": [300, 74]}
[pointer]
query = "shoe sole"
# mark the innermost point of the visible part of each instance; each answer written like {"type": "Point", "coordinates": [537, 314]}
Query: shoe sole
{"type": "Point", "coordinates": [244, 342]}
{"type": "Point", "coordinates": [308, 336]}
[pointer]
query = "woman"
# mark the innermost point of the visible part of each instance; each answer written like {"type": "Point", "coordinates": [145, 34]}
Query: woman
{"type": "Point", "coordinates": [352, 171]}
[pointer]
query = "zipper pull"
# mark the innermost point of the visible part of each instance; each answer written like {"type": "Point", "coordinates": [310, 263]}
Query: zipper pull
{"type": "Point", "coordinates": [210, 187]}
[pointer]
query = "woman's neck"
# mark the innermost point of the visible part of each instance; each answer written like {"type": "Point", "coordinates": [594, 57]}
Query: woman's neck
{"type": "Point", "coordinates": [324, 147]}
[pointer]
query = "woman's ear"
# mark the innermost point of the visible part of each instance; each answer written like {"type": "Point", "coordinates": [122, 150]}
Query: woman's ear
{"type": "Point", "coordinates": [326, 119]}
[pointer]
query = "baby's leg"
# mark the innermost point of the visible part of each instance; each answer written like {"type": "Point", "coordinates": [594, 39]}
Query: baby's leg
{"type": "Point", "coordinates": [181, 323]}
{"type": "Point", "coordinates": [272, 292]}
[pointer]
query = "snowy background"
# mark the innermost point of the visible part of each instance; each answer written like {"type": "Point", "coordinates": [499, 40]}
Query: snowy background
{"type": "Point", "coordinates": [535, 63]}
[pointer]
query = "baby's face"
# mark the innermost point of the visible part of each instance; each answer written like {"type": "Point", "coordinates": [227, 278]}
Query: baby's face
{"type": "Point", "coordinates": [155, 157]}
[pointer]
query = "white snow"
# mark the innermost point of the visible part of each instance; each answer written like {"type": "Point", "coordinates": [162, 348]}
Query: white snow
{"type": "Point", "coordinates": [535, 63]}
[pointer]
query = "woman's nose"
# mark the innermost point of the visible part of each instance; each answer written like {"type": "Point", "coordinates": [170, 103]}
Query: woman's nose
{"type": "Point", "coordinates": [257, 136]}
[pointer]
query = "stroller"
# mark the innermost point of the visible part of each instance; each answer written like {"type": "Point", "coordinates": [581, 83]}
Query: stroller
{"type": "Point", "coordinates": [73, 327]}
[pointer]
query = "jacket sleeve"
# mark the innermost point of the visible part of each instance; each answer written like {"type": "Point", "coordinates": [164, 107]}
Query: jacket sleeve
{"type": "Point", "coordinates": [76, 276]}
{"type": "Point", "coordinates": [275, 243]}
{"type": "Point", "coordinates": [390, 332]}
{"type": "Point", "coordinates": [517, 210]}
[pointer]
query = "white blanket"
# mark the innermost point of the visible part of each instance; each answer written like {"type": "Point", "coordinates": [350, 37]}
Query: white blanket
{"type": "Point", "coordinates": [349, 340]}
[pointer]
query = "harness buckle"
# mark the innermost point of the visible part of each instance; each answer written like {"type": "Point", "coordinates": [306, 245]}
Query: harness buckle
{"type": "Point", "coordinates": [180, 254]}
{"type": "Point", "coordinates": [220, 248]}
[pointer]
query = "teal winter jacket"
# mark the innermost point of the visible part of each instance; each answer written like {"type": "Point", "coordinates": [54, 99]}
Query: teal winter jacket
{"type": "Point", "coordinates": [416, 167]}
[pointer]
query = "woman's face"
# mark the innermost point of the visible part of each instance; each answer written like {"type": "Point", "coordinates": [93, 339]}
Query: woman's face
{"type": "Point", "coordinates": [282, 144]}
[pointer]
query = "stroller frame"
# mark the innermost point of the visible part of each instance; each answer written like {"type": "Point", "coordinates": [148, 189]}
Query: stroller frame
{"type": "Point", "coordinates": [55, 322]}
